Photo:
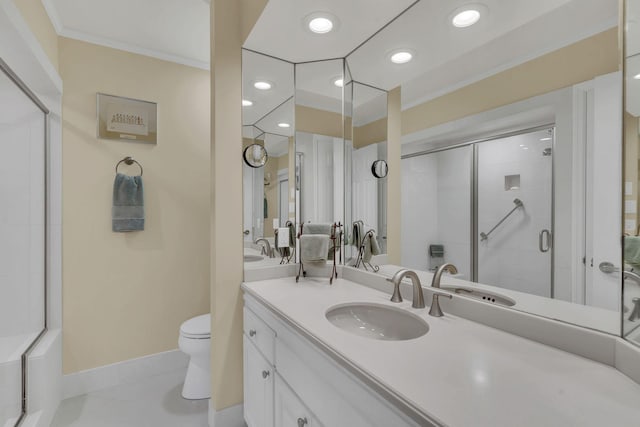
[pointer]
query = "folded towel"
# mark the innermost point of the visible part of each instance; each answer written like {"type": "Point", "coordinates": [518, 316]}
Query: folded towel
{"type": "Point", "coordinates": [314, 248]}
{"type": "Point", "coordinates": [371, 246]}
{"type": "Point", "coordinates": [357, 234]}
{"type": "Point", "coordinates": [127, 211]}
{"type": "Point", "coordinates": [283, 238]}
{"type": "Point", "coordinates": [632, 251]}
{"type": "Point", "coordinates": [317, 229]}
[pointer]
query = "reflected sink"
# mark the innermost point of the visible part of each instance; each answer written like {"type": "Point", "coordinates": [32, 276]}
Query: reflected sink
{"type": "Point", "coordinates": [378, 322]}
{"type": "Point", "coordinates": [482, 295]}
{"type": "Point", "coordinates": [252, 258]}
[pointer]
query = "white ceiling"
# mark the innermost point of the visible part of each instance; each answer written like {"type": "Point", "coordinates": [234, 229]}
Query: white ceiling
{"type": "Point", "coordinates": [281, 32]}
{"type": "Point", "coordinates": [173, 30]}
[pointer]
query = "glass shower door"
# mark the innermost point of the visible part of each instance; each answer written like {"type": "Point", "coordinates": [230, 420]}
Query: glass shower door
{"type": "Point", "coordinates": [515, 178]}
{"type": "Point", "coordinates": [22, 237]}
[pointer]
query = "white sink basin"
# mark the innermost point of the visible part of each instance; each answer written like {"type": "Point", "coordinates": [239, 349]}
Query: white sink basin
{"type": "Point", "coordinates": [378, 322]}
{"type": "Point", "coordinates": [252, 258]}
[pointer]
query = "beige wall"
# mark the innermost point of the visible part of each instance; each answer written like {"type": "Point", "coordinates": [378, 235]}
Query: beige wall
{"type": "Point", "coordinates": [371, 133]}
{"type": "Point", "coordinates": [579, 62]}
{"type": "Point", "coordinates": [36, 17]}
{"type": "Point", "coordinates": [320, 122]}
{"type": "Point", "coordinates": [125, 294]}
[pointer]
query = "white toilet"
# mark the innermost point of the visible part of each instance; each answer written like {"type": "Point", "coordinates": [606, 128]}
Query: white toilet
{"type": "Point", "coordinates": [195, 341]}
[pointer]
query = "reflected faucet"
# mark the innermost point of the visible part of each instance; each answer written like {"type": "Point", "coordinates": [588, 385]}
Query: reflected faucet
{"type": "Point", "coordinates": [266, 248]}
{"type": "Point", "coordinates": [435, 283]}
{"type": "Point", "coordinates": [418, 297]}
{"type": "Point", "coordinates": [635, 313]}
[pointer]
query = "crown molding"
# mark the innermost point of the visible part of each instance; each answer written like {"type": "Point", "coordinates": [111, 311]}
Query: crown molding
{"type": "Point", "coordinates": [62, 31]}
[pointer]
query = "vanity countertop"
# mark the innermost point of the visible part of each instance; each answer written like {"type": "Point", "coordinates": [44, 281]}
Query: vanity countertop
{"type": "Point", "coordinates": [461, 373]}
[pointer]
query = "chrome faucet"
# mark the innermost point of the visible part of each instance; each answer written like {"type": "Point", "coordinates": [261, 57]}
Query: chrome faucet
{"type": "Point", "coordinates": [418, 298]}
{"type": "Point", "coordinates": [266, 248]}
{"type": "Point", "coordinates": [435, 283]}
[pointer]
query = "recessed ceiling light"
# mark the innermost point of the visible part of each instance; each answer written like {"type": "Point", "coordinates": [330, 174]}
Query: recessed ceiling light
{"type": "Point", "coordinates": [401, 57]}
{"type": "Point", "coordinates": [339, 82]}
{"type": "Point", "coordinates": [548, 138]}
{"type": "Point", "coordinates": [246, 103]}
{"type": "Point", "coordinates": [320, 25]}
{"type": "Point", "coordinates": [284, 125]}
{"type": "Point", "coordinates": [637, 77]}
{"type": "Point", "coordinates": [262, 85]}
{"type": "Point", "coordinates": [525, 148]}
{"type": "Point", "coordinates": [466, 18]}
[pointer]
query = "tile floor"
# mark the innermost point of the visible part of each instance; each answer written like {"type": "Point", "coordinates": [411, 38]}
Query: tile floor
{"type": "Point", "coordinates": [153, 402]}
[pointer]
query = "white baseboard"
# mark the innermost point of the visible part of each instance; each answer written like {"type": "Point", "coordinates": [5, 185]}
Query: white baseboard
{"type": "Point", "coordinates": [228, 417]}
{"type": "Point", "coordinates": [122, 372]}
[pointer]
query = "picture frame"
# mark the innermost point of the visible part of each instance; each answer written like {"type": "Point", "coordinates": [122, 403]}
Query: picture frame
{"type": "Point", "coordinates": [126, 119]}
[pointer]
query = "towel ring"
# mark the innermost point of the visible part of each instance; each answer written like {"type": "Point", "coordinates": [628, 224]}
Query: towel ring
{"type": "Point", "coordinates": [129, 161]}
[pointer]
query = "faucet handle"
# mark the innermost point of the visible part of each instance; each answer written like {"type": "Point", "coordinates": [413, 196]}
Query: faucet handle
{"type": "Point", "coordinates": [396, 297]}
{"type": "Point", "coordinates": [435, 309]}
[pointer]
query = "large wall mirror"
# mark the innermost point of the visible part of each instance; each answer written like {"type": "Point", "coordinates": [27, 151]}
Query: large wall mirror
{"type": "Point", "coordinates": [511, 148]}
{"type": "Point", "coordinates": [268, 119]}
{"type": "Point", "coordinates": [631, 298]}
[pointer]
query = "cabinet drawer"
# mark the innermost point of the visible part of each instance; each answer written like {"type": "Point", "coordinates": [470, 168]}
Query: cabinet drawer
{"type": "Point", "coordinates": [289, 410]}
{"type": "Point", "coordinates": [261, 335]}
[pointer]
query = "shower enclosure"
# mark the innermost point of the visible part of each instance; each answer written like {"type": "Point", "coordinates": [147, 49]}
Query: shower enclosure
{"type": "Point", "coordinates": [488, 205]}
{"type": "Point", "coordinates": [23, 139]}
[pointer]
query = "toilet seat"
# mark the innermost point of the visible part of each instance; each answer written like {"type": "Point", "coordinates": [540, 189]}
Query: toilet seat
{"type": "Point", "coordinates": [198, 327]}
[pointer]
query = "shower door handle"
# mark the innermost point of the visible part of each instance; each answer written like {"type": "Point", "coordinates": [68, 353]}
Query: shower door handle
{"type": "Point", "coordinates": [544, 244]}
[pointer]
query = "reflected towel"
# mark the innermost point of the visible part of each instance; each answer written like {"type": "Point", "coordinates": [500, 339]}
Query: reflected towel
{"type": "Point", "coordinates": [127, 210]}
{"type": "Point", "coordinates": [317, 229]}
{"type": "Point", "coordinates": [314, 248]}
{"type": "Point", "coordinates": [371, 246]}
{"type": "Point", "coordinates": [283, 238]}
{"type": "Point", "coordinates": [356, 234]}
{"type": "Point", "coordinates": [632, 251]}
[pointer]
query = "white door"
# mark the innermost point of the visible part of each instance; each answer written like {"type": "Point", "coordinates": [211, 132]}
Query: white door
{"type": "Point", "coordinates": [258, 387]}
{"type": "Point", "coordinates": [603, 194]}
{"type": "Point", "coordinates": [289, 410]}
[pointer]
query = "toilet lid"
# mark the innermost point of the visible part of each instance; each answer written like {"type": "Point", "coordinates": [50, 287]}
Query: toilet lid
{"type": "Point", "coordinates": [197, 327]}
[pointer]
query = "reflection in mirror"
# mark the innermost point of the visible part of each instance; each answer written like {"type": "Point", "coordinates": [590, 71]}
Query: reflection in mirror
{"type": "Point", "coordinates": [368, 192]}
{"type": "Point", "coordinates": [380, 169]}
{"type": "Point", "coordinates": [255, 155]}
{"type": "Point", "coordinates": [320, 142]}
{"type": "Point", "coordinates": [511, 147]}
{"type": "Point", "coordinates": [268, 123]}
{"type": "Point", "coordinates": [631, 297]}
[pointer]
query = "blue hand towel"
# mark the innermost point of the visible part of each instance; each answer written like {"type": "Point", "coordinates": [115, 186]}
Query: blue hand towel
{"type": "Point", "coordinates": [127, 211]}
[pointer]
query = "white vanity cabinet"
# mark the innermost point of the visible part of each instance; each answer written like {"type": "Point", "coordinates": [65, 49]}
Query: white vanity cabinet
{"type": "Point", "coordinates": [290, 381]}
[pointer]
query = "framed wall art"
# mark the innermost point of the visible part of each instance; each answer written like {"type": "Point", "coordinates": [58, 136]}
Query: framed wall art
{"type": "Point", "coordinates": [127, 119]}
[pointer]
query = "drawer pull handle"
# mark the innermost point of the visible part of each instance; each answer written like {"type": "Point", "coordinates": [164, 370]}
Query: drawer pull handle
{"type": "Point", "coordinates": [302, 422]}
{"type": "Point", "coordinates": [265, 374]}
{"type": "Point", "coordinates": [252, 333]}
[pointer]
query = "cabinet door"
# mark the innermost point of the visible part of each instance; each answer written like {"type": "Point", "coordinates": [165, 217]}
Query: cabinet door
{"type": "Point", "coordinates": [289, 410]}
{"type": "Point", "coordinates": [258, 387]}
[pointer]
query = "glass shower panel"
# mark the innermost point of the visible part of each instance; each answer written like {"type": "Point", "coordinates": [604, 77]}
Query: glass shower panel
{"type": "Point", "coordinates": [22, 238]}
{"type": "Point", "coordinates": [436, 218]}
{"type": "Point", "coordinates": [514, 175]}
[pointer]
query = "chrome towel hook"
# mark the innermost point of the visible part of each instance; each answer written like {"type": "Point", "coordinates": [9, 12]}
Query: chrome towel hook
{"type": "Point", "coordinates": [129, 161]}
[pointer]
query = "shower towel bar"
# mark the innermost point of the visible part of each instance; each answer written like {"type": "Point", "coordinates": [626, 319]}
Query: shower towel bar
{"type": "Point", "coordinates": [518, 203]}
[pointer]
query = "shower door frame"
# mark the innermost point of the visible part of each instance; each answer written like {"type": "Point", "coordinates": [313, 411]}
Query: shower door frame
{"type": "Point", "coordinates": [24, 357]}
{"type": "Point", "coordinates": [474, 190]}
